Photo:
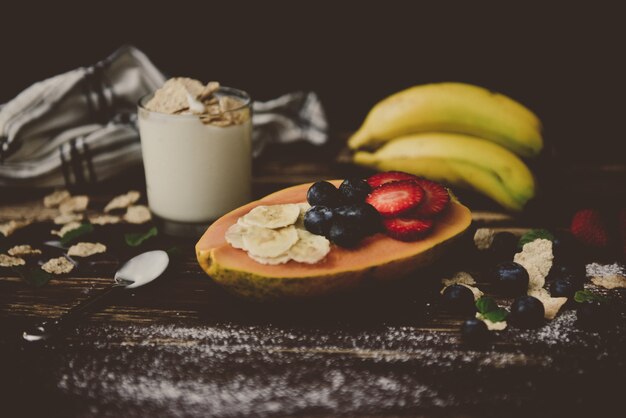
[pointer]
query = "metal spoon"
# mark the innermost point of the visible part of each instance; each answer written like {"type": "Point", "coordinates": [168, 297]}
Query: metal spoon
{"type": "Point", "coordinates": [138, 271]}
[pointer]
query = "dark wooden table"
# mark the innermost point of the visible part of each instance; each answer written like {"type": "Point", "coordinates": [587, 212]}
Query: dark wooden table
{"type": "Point", "coordinates": [184, 347]}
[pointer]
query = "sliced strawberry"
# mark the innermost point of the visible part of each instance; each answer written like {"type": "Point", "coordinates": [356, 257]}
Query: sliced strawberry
{"type": "Point", "coordinates": [407, 229]}
{"type": "Point", "coordinates": [388, 177]}
{"type": "Point", "coordinates": [436, 199]}
{"type": "Point", "coordinates": [589, 227]}
{"type": "Point", "coordinates": [397, 198]}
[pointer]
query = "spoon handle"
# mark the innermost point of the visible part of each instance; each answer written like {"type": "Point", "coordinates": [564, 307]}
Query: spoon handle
{"type": "Point", "coordinates": [48, 329]}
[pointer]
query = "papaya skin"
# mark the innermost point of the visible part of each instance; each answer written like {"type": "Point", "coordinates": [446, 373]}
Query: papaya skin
{"type": "Point", "coordinates": [378, 259]}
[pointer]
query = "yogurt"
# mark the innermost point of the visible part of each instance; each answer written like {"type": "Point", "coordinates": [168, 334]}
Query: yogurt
{"type": "Point", "coordinates": [197, 164]}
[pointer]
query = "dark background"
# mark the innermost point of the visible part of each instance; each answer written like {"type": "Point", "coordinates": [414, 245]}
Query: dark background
{"type": "Point", "coordinates": [564, 62]}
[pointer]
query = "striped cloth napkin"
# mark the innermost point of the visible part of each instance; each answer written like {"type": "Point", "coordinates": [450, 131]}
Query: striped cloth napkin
{"type": "Point", "coordinates": [80, 127]}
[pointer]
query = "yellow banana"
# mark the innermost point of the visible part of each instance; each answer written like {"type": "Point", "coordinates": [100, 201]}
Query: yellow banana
{"type": "Point", "coordinates": [452, 107]}
{"type": "Point", "coordinates": [459, 160]}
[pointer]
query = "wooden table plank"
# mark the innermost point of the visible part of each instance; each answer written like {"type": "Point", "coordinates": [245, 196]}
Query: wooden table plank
{"type": "Point", "coordinates": [184, 347]}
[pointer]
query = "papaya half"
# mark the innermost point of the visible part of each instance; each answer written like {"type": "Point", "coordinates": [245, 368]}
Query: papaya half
{"type": "Point", "coordinates": [377, 258]}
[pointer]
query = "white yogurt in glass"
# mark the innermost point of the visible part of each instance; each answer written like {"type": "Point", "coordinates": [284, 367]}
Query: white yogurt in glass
{"type": "Point", "coordinates": [196, 171]}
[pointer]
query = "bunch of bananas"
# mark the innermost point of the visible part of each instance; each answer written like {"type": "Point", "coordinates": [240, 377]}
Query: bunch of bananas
{"type": "Point", "coordinates": [454, 133]}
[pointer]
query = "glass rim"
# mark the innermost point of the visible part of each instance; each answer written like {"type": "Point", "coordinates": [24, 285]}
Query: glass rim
{"type": "Point", "coordinates": [247, 101]}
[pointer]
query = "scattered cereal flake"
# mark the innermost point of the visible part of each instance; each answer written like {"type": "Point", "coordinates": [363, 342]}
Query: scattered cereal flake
{"type": "Point", "coordinates": [9, 261]}
{"type": "Point", "coordinates": [23, 250]}
{"type": "Point", "coordinates": [56, 198]}
{"type": "Point", "coordinates": [461, 277]}
{"type": "Point", "coordinates": [85, 249]}
{"type": "Point", "coordinates": [614, 281]}
{"type": "Point", "coordinates": [58, 265]}
{"type": "Point", "coordinates": [74, 204]}
{"type": "Point", "coordinates": [66, 228]}
{"type": "Point", "coordinates": [464, 279]}
{"type": "Point", "coordinates": [105, 219]}
{"type": "Point", "coordinates": [551, 305]}
{"type": "Point", "coordinates": [492, 326]}
{"type": "Point", "coordinates": [483, 238]}
{"type": "Point", "coordinates": [209, 89]}
{"type": "Point", "coordinates": [11, 226]}
{"type": "Point", "coordinates": [172, 96]}
{"type": "Point", "coordinates": [138, 214]}
{"type": "Point", "coordinates": [123, 201]}
{"type": "Point", "coordinates": [536, 257]}
{"type": "Point", "coordinates": [66, 218]}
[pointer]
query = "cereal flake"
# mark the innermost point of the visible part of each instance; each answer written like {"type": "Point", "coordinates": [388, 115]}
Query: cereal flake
{"type": "Point", "coordinates": [66, 218]}
{"type": "Point", "coordinates": [58, 265]}
{"type": "Point", "coordinates": [105, 219]}
{"type": "Point", "coordinates": [138, 214]}
{"type": "Point", "coordinates": [613, 281]}
{"type": "Point", "coordinates": [9, 261]}
{"type": "Point", "coordinates": [74, 204]}
{"type": "Point", "coordinates": [11, 226]}
{"type": "Point", "coordinates": [66, 228]}
{"type": "Point", "coordinates": [492, 326]}
{"type": "Point", "coordinates": [85, 249]}
{"type": "Point", "coordinates": [56, 198]}
{"type": "Point", "coordinates": [551, 305]}
{"type": "Point", "coordinates": [123, 201]}
{"type": "Point", "coordinates": [464, 279]}
{"type": "Point", "coordinates": [23, 250]}
{"type": "Point", "coordinates": [536, 257]}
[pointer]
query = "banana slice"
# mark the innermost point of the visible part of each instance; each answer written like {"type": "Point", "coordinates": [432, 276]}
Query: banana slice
{"type": "Point", "coordinates": [265, 242]}
{"type": "Point", "coordinates": [234, 234]}
{"type": "Point", "coordinates": [303, 208]}
{"type": "Point", "coordinates": [281, 259]}
{"type": "Point", "coordinates": [310, 248]}
{"type": "Point", "coordinates": [273, 216]}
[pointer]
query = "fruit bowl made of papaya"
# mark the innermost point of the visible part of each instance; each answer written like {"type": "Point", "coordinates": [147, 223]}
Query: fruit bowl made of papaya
{"type": "Point", "coordinates": [376, 258]}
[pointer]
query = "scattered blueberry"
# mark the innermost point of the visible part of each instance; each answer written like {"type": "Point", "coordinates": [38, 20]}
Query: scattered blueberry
{"type": "Point", "coordinates": [503, 246]}
{"type": "Point", "coordinates": [458, 299]}
{"type": "Point", "coordinates": [323, 193]}
{"type": "Point", "coordinates": [362, 215]}
{"type": "Point", "coordinates": [318, 220]}
{"type": "Point", "coordinates": [564, 247]}
{"type": "Point", "coordinates": [354, 190]}
{"type": "Point", "coordinates": [345, 234]}
{"type": "Point", "coordinates": [574, 271]}
{"type": "Point", "coordinates": [564, 288]}
{"type": "Point", "coordinates": [510, 279]}
{"type": "Point", "coordinates": [593, 315]}
{"type": "Point", "coordinates": [474, 331]}
{"type": "Point", "coordinates": [526, 312]}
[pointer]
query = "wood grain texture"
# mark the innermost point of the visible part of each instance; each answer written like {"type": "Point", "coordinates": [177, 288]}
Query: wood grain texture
{"type": "Point", "coordinates": [184, 347]}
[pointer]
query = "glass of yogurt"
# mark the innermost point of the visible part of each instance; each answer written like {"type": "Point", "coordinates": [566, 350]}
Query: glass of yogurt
{"type": "Point", "coordinates": [196, 145]}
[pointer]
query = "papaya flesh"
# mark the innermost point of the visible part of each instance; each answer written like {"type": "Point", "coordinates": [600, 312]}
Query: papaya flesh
{"type": "Point", "coordinates": [377, 258]}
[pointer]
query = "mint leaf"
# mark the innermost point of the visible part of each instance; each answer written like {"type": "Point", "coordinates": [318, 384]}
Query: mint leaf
{"type": "Point", "coordinates": [586, 296]}
{"type": "Point", "coordinates": [534, 234]}
{"type": "Point", "coordinates": [136, 239]}
{"type": "Point", "coordinates": [74, 234]}
{"type": "Point", "coordinates": [34, 276]}
{"type": "Point", "coordinates": [486, 304]}
{"type": "Point", "coordinates": [496, 315]}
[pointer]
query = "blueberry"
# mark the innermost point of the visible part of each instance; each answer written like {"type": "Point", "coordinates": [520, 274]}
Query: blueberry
{"type": "Point", "coordinates": [593, 315]}
{"type": "Point", "coordinates": [574, 271]}
{"type": "Point", "coordinates": [354, 190]}
{"type": "Point", "coordinates": [526, 312]}
{"type": "Point", "coordinates": [564, 247]}
{"type": "Point", "coordinates": [474, 331]}
{"type": "Point", "coordinates": [323, 193]}
{"type": "Point", "coordinates": [345, 234]}
{"type": "Point", "coordinates": [510, 279]}
{"type": "Point", "coordinates": [361, 215]}
{"type": "Point", "coordinates": [458, 299]}
{"type": "Point", "coordinates": [318, 220]}
{"type": "Point", "coordinates": [503, 246]}
{"type": "Point", "coordinates": [564, 288]}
